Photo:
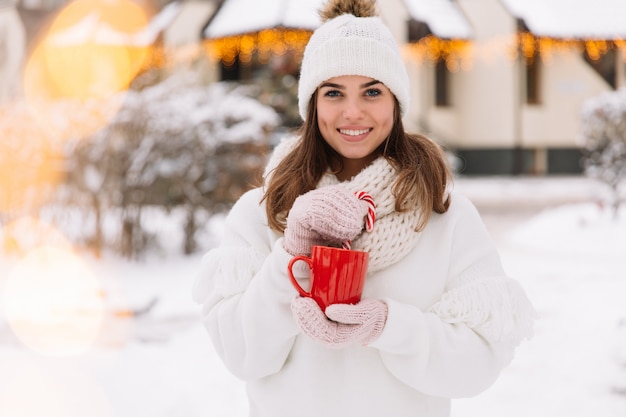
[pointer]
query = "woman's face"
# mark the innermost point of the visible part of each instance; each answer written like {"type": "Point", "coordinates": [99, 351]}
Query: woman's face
{"type": "Point", "coordinates": [355, 115]}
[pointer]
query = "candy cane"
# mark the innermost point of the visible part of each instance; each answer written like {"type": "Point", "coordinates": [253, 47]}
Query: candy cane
{"type": "Point", "coordinates": [371, 214]}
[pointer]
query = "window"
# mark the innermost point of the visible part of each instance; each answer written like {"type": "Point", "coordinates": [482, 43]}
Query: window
{"type": "Point", "coordinates": [243, 71]}
{"type": "Point", "coordinates": [442, 84]}
{"type": "Point", "coordinates": [605, 65]}
{"type": "Point", "coordinates": [533, 79]}
{"type": "Point", "coordinates": [230, 72]}
{"type": "Point", "coordinates": [417, 30]}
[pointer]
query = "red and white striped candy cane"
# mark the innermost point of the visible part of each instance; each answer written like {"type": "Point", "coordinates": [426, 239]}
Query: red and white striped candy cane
{"type": "Point", "coordinates": [371, 214]}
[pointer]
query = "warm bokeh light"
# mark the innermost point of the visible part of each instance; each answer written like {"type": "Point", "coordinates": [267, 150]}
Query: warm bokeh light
{"type": "Point", "coordinates": [30, 160]}
{"type": "Point", "coordinates": [53, 302]}
{"type": "Point", "coordinates": [94, 48]}
{"type": "Point", "coordinates": [87, 58]}
{"type": "Point", "coordinates": [454, 52]}
{"type": "Point", "coordinates": [26, 234]}
{"type": "Point", "coordinates": [545, 47]}
{"type": "Point", "coordinates": [461, 54]}
{"type": "Point", "coordinates": [264, 43]}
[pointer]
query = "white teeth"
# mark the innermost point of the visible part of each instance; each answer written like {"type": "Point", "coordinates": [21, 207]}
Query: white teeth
{"type": "Point", "coordinates": [351, 132]}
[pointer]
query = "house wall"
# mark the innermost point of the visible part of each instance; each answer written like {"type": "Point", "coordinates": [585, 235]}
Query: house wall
{"type": "Point", "coordinates": [566, 82]}
{"type": "Point", "coordinates": [186, 29]}
{"type": "Point", "coordinates": [488, 122]}
{"type": "Point", "coordinates": [396, 17]}
{"type": "Point", "coordinates": [183, 37]}
{"type": "Point", "coordinates": [621, 70]}
{"type": "Point", "coordinates": [485, 95]}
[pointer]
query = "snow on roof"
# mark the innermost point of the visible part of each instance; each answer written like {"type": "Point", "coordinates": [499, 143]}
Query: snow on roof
{"type": "Point", "coordinates": [580, 19]}
{"type": "Point", "coordinates": [444, 18]}
{"type": "Point", "coordinates": [93, 28]}
{"type": "Point", "coordinates": [162, 20]}
{"type": "Point", "coordinates": [236, 17]}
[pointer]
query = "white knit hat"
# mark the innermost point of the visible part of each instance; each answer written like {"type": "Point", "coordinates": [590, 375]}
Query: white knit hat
{"type": "Point", "coordinates": [349, 45]}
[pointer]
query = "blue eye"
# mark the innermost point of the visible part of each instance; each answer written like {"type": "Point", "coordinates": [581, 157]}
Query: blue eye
{"type": "Point", "coordinates": [373, 92]}
{"type": "Point", "coordinates": [332, 93]}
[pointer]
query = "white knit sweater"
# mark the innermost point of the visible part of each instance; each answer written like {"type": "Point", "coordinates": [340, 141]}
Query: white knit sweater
{"type": "Point", "coordinates": [454, 321]}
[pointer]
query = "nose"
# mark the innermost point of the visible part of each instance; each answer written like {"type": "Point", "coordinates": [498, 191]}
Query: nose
{"type": "Point", "coordinates": [353, 109]}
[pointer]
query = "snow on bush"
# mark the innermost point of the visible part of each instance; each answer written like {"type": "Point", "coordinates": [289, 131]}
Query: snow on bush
{"type": "Point", "coordinates": [604, 141]}
{"type": "Point", "coordinates": [179, 145]}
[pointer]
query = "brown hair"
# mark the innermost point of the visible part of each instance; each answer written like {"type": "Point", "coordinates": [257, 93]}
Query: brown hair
{"type": "Point", "coordinates": [423, 172]}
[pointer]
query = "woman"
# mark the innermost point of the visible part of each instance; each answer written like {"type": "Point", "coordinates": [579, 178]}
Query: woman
{"type": "Point", "coordinates": [439, 318]}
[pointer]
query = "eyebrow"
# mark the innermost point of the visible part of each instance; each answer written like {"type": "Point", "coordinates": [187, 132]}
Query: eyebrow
{"type": "Point", "coordinates": [342, 87]}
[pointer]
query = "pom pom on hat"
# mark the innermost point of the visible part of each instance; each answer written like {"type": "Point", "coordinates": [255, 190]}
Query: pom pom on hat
{"type": "Point", "coordinates": [353, 40]}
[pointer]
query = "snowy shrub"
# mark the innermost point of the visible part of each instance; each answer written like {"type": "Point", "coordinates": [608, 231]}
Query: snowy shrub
{"type": "Point", "coordinates": [604, 140]}
{"type": "Point", "coordinates": [175, 144]}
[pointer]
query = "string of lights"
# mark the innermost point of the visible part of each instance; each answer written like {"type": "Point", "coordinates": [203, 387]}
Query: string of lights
{"type": "Point", "coordinates": [263, 44]}
{"type": "Point", "coordinates": [458, 54]}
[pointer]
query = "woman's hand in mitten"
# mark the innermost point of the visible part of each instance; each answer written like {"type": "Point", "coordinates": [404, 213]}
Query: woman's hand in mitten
{"type": "Point", "coordinates": [329, 215]}
{"type": "Point", "coordinates": [362, 322]}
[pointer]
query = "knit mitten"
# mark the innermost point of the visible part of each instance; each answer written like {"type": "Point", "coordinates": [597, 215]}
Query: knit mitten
{"type": "Point", "coordinates": [325, 216]}
{"type": "Point", "coordinates": [364, 321]}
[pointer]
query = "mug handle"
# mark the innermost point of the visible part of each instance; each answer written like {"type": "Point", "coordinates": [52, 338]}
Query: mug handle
{"type": "Point", "coordinates": [293, 279]}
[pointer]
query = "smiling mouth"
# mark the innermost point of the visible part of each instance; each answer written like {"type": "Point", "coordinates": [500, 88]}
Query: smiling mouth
{"type": "Point", "coordinates": [352, 132]}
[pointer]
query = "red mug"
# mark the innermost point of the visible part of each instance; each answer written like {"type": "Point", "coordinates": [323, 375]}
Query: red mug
{"type": "Point", "coordinates": [337, 275]}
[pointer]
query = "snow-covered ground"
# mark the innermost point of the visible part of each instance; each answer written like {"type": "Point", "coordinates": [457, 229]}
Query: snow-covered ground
{"type": "Point", "coordinates": [567, 252]}
{"type": "Point", "coordinates": [570, 256]}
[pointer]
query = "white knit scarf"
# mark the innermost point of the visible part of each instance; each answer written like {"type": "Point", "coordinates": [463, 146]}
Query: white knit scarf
{"type": "Point", "coordinates": [393, 235]}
